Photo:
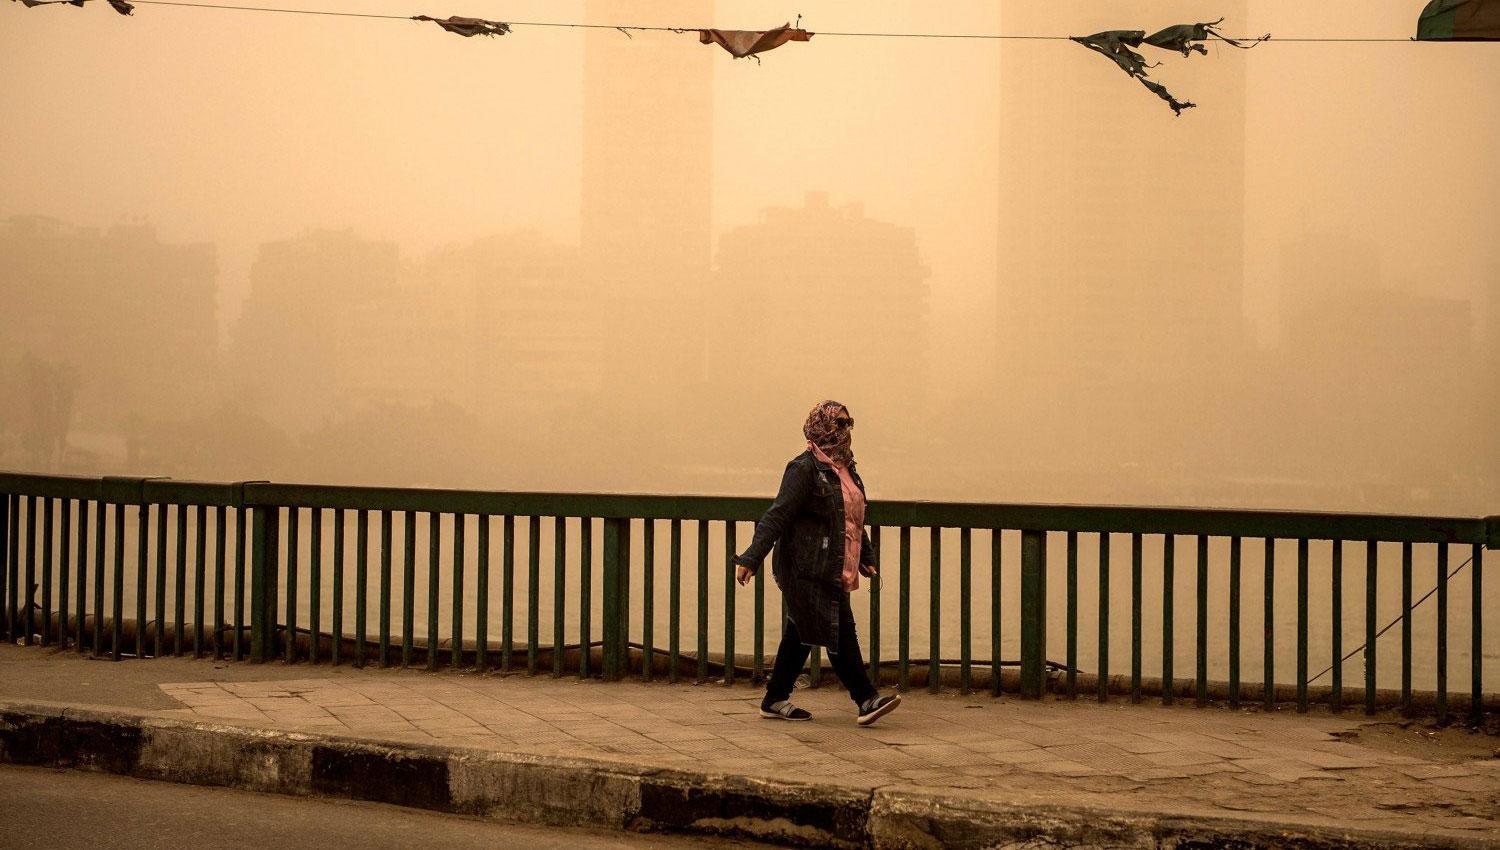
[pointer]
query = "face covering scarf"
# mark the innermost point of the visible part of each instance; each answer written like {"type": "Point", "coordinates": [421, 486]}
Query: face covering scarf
{"type": "Point", "coordinates": [822, 430]}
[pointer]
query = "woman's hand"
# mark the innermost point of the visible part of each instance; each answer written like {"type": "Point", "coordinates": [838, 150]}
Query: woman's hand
{"type": "Point", "coordinates": [743, 574]}
{"type": "Point", "coordinates": [867, 570]}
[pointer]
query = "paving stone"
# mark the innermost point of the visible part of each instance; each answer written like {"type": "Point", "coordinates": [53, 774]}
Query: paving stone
{"type": "Point", "coordinates": [946, 755]}
{"type": "Point", "coordinates": [1244, 803]}
{"type": "Point", "coordinates": [1209, 768]}
{"type": "Point", "coordinates": [242, 711]}
{"type": "Point", "coordinates": [274, 702]}
{"type": "Point", "coordinates": [668, 735]}
{"type": "Point", "coordinates": [883, 760]}
{"type": "Point", "coordinates": [1294, 775]}
{"type": "Point", "coordinates": [954, 734]}
{"type": "Point", "coordinates": [298, 716]}
{"type": "Point", "coordinates": [1032, 734]}
{"type": "Point", "coordinates": [1329, 761]}
{"type": "Point", "coordinates": [987, 770]}
{"type": "Point", "coordinates": [383, 728]}
{"type": "Point", "coordinates": [1156, 773]}
{"type": "Point", "coordinates": [1101, 757]}
{"type": "Point", "coordinates": [1019, 756]}
{"type": "Point", "coordinates": [998, 745]}
{"type": "Point", "coordinates": [364, 712]}
{"type": "Point", "coordinates": [1474, 784]}
{"type": "Point", "coordinates": [1437, 771]}
{"type": "Point", "coordinates": [1179, 758]}
{"type": "Point", "coordinates": [330, 723]}
{"type": "Point", "coordinates": [1472, 824]}
{"type": "Point", "coordinates": [898, 735]}
{"type": "Point", "coordinates": [1257, 778]}
{"type": "Point", "coordinates": [1061, 767]}
{"type": "Point", "coordinates": [1141, 745]}
{"type": "Point", "coordinates": [423, 712]}
{"type": "Point", "coordinates": [339, 700]}
{"type": "Point", "coordinates": [455, 722]}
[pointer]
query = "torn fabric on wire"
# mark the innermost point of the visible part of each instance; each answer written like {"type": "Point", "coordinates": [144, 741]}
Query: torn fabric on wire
{"type": "Point", "coordinates": [1186, 38]}
{"type": "Point", "coordinates": [1161, 92]}
{"type": "Point", "coordinates": [467, 27]}
{"type": "Point", "coordinates": [743, 43]}
{"type": "Point", "coordinates": [120, 6]}
{"type": "Point", "coordinates": [1116, 45]}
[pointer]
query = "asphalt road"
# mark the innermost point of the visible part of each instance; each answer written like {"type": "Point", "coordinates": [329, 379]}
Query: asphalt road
{"type": "Point", "coordinates": [72, 810]}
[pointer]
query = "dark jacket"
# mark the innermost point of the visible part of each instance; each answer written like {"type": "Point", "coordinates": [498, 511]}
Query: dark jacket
{"type": "Point", "coordinates": [806, 526]}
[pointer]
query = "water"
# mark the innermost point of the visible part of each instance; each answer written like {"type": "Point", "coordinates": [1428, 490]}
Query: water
{"type": "Point", "coordinates": [1388, 605]}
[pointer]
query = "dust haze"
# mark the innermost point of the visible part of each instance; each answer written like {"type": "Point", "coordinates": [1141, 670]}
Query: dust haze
{"type": "Point", "coordinates": [237, 245]}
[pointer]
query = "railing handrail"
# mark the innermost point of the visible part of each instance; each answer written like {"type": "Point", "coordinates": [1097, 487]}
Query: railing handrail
{"type": "Point", "coordinates": [1218, 522]}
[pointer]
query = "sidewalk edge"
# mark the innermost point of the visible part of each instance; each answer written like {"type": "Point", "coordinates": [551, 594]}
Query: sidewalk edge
{"type": "Point", "coordinates": [582, 792]}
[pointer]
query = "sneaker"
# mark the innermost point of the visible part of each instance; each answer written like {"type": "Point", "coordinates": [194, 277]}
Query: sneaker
{"type": "Point", "coordinates": [784, 710]}
{"type": "Point", "coordinates": [876, 708]}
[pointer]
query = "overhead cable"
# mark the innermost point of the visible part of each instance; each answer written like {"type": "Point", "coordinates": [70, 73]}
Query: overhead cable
{"type": "Point", "coordinates": [680, 29]}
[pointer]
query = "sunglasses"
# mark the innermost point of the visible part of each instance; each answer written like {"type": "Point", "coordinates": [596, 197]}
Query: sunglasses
{"type": "Point", "coordinates": [844, 423]}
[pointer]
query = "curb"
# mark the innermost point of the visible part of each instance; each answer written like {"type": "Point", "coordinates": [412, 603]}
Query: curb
{"type": "Point", "coordinates": [580, 792]}
{"type": "Point", "coordinates": [913, 820]}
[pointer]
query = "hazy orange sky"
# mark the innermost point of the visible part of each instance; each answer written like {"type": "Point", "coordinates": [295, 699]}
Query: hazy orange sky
{"type": "Point", "coordinates": [239, 127]}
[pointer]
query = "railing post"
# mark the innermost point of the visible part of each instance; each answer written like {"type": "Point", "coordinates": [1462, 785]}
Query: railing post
{"type": "Point", "coordinates": [7, 502]}
{"type": "Point", "coordinates": [1033, 613]}
{"type": "Point", "coordinates": [616, 576]}
{"type": "Point", "coordinates": [264, 567]}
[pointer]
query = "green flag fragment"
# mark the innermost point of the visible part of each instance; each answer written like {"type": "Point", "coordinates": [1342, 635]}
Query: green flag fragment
{"type": "Point", "coordinates": [1459, 20]}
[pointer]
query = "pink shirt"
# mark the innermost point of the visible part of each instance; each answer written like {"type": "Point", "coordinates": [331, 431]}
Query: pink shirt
{"type": "Point", "coordinates": [854, 518]}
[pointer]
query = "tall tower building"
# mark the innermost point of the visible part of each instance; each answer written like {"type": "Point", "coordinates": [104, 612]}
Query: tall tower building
{"type": "Point", "coordinates": [318, 327]}
{"type": "Point", "coordinates": [1121, 236]}
{"type": "Point", "coordinates": [646, 211]}
{"type": "Point", "coordinates": [771, 278]}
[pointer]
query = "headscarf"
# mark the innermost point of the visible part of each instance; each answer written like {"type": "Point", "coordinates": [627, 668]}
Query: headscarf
{"type": "Point", "coordinates": [821, 431]}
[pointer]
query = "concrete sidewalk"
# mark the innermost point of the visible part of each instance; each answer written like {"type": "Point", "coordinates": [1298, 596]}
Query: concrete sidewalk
{"type": "Point", "coordinates": [1338, 774]}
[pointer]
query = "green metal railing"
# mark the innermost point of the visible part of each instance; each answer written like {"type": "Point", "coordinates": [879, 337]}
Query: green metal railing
{"type": "Point", "coordinates": [247, 548]}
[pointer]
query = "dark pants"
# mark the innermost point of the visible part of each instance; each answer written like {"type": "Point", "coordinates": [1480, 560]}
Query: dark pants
{"type": "Point", "coordinates": [848, 662]}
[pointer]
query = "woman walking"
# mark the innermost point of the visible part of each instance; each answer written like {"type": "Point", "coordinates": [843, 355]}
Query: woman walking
{"type": "Point", "coordinates": [817, 525]}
